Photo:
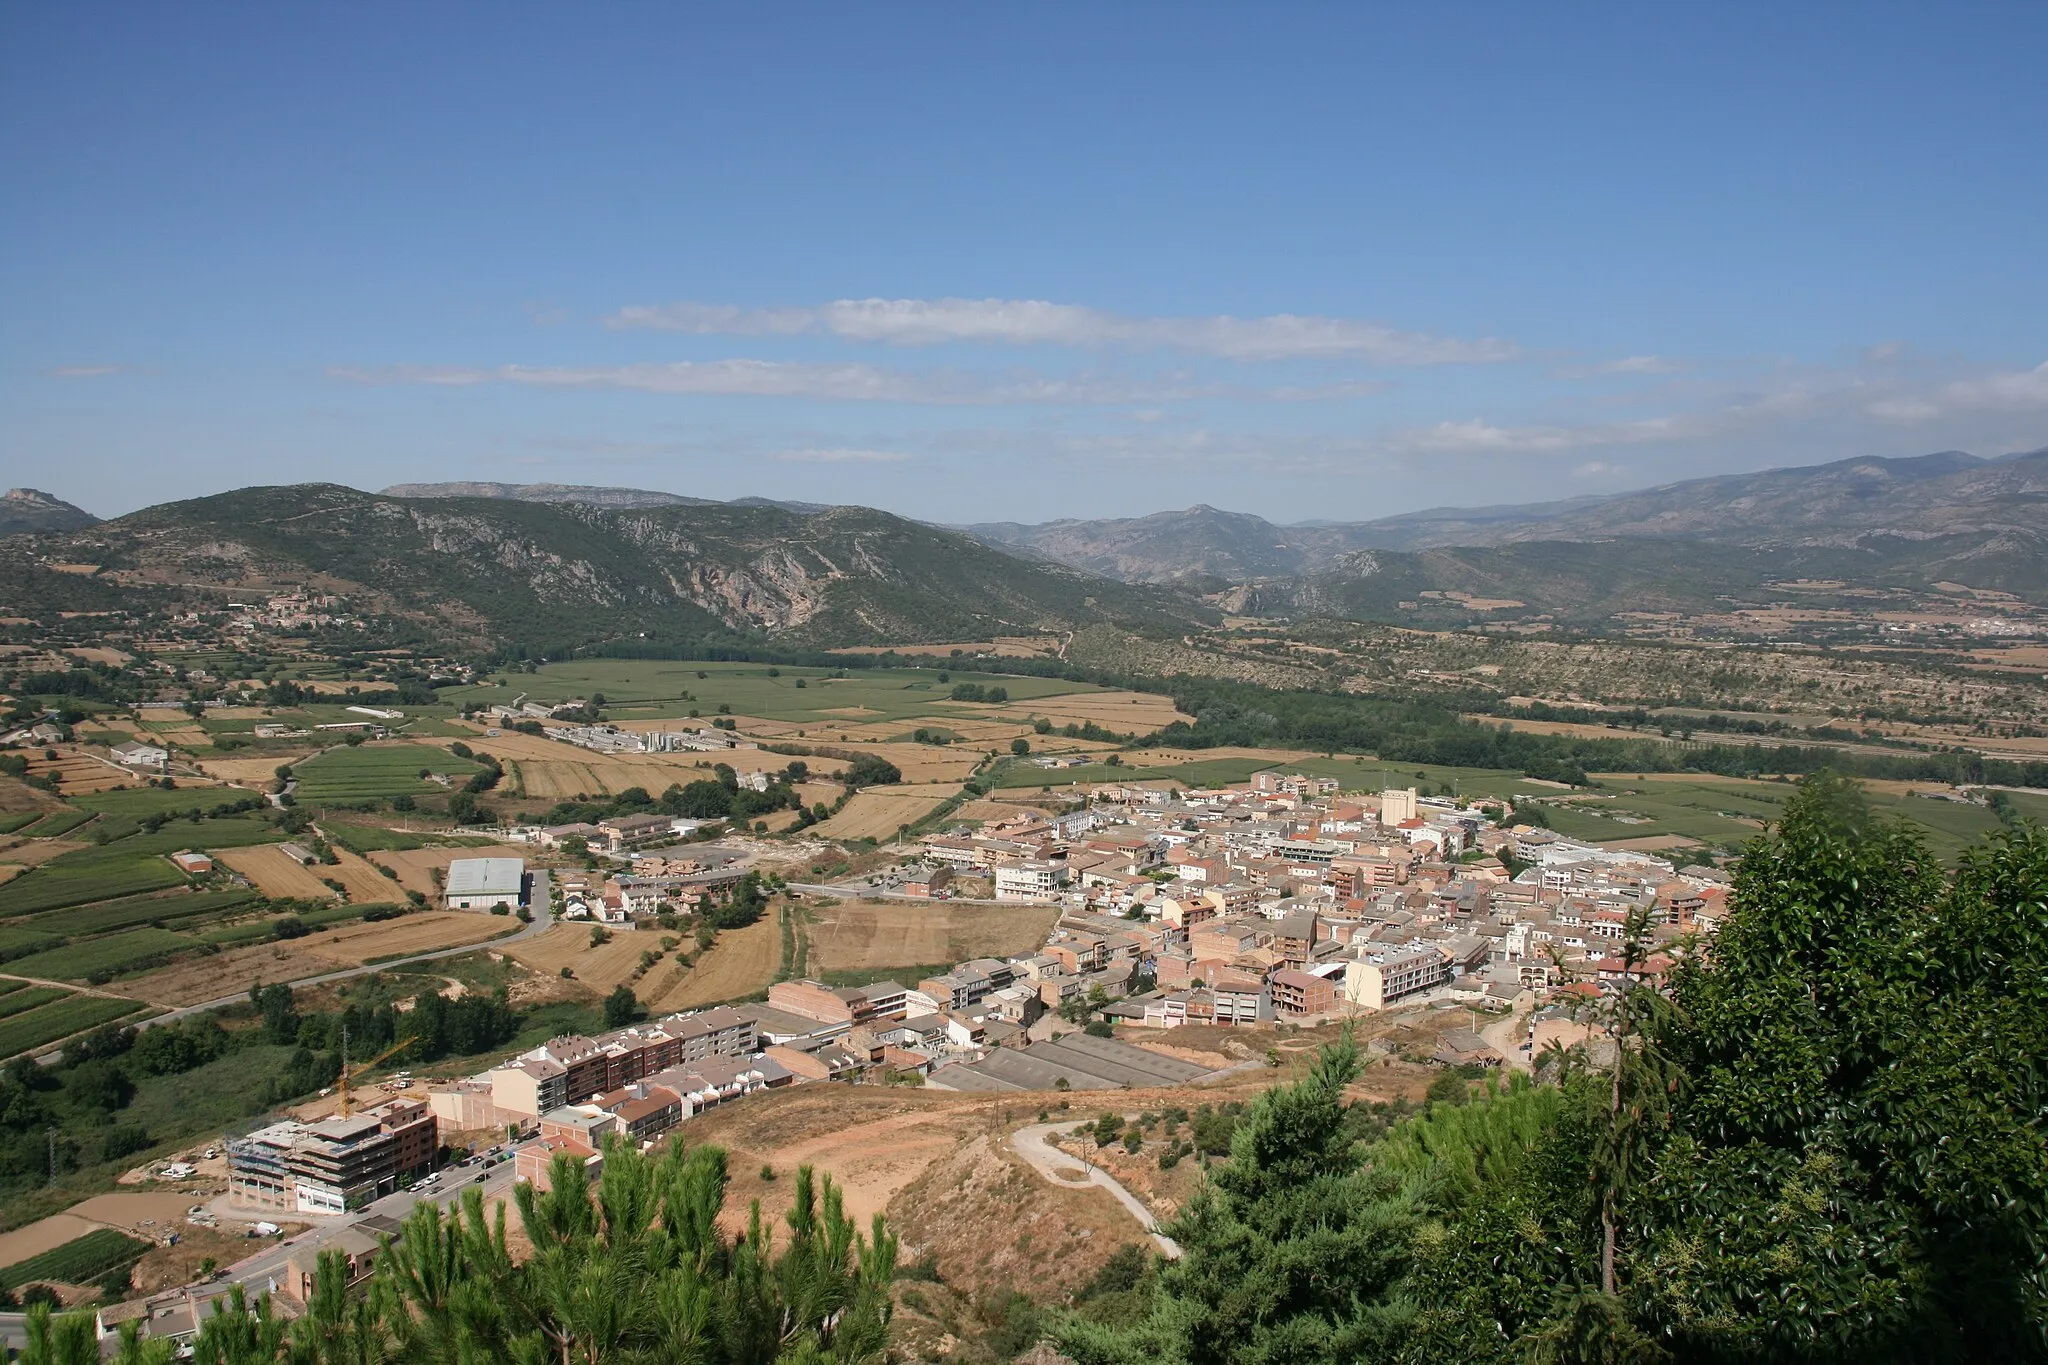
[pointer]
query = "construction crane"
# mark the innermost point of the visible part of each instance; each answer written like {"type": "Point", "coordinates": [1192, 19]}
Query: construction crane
{"type": "Point", "coordinates": [349, 1073]}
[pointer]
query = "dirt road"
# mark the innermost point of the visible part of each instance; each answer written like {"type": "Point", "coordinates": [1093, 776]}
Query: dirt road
{"type": "Point", "coordinates": [1057, 1165]}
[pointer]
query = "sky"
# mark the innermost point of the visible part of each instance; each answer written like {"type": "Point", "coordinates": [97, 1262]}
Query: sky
{"type": "Point", "coordinates": [977, 263]}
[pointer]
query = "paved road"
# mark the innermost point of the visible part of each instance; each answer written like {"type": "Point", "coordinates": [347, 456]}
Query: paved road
{"type": "Point", "coordinates": [541, 921]}
{"type": "Point", "coordinates": [265, 1270]}
{"type": "Point", "coordinates": [1056, 1165]}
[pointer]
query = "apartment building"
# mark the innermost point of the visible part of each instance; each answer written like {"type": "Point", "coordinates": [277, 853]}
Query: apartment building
{"type": "Point", "coordinates": [1375, 982]}
{"type": "Point", "coordinates": [336, 1164]}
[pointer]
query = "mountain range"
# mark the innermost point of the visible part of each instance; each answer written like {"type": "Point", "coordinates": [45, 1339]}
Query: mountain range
{"type": "Point", "coordinates": [551, 573]}
{"type": "Point", "coordinates": [1839, 505]}
{"type": "Point", "coordinates": [560, 564]}
{"type": "Point", "coordinates": [24, 511]}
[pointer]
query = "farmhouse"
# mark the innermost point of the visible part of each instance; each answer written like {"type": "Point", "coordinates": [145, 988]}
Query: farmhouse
{"type": "Point", "coordinates": [485, 883]}
{"type": "Point", "coordinates": [139, 755]}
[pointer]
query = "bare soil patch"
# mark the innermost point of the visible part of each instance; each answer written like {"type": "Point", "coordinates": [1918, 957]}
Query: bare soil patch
{"type": "Point", "coordinates": [366, 883]}
{"type": "Point", "coordinates": [45, 1234]}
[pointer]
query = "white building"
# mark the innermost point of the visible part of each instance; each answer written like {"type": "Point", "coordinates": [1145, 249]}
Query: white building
{"type": "Point", "coordinates": [140, 755]}
{"type": "Point", "coordinates": [485, 883]}
{"type": "Point", "coordinates": [1029, 881]}
{"type": "Point", "coordinates": [1383, 978]}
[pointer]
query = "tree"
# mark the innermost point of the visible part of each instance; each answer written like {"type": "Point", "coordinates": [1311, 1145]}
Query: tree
{"type": "Point", "coordinates": [621, 1007]}
{"type": "Point", "coordinates": [1020, 747]}
{"type": "Point", "coordinates": [635, 1270]}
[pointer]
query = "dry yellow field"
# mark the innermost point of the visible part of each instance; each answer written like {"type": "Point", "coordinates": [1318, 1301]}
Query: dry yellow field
{"type": "Point", "coordinates": [76, 772]}
{"type": "Point", "coordinates": [365, 883]}
{"type": "Point", "coordinates": [879, 811]}
{"type": "Point", "coordinates": [884, 935]}
{"type": "Point", "coordinates": [256, 773]}
{"type": "Point", "coordinates": [30, 852]}
{"type": "Point", "coordinates": [275, 874]}
{"type": "Point", "coordinates": [568, 945]}
{"type": "Point", "coordinates": [197, 979]}
{"type": "Point", "coordinates": [1167, 758]}
{"type": "Point", "coordinates": [410, 934]}
{"type": "Point", "coordinates": [413, 865]}
{"type": "Point", "coordinates": [1142, 712]}
{"type": "Point", "coordinates": [742, 962]}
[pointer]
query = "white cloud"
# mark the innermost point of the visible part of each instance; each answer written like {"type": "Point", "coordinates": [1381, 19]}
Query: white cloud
{"type": "Point", "coordinates": [87, 371]}
{"type": "Point", "coordinates": [1023, 322]}
{"type": "Point", "coordinates": [787, 379]}
{"type": "Point", "coordinates": [2004, 390]}
{"type": "Point", "coordinates": [836, 456]}
{"type": "Point", "coordinates": [858, 382]}
{"type": "Point", "coordinates": [1593, 469]}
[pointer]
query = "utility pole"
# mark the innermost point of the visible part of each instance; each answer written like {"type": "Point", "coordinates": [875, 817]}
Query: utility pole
{"type": "Point", "coordinates": [53, 1155]}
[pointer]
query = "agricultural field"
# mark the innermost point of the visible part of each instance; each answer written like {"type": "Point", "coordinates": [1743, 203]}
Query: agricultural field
{"type": "Point", "coordinates": [76, 772]}
{"type": "Point", "coordinates": [377, 771]}
{"type": "Point", "coordinates": [277, 875]}
{"type": "Point", "coordinates": [58, 1020]}
{"type": "Point", "coordinates": [124, 868]}
{"type": "Point", "coordinates": [79, 1261]}
{"type": "Point", "coordinates": [878, 812]}
{"type": "Point", "coordinates": [359, 838]}
{"type": "Point", "coordinates": [568, 945]}
{"type": "Point", "coordinates": [183, 908]}
{"type": "Point", "coordinates": [104, 957]}
{"type": "Point", "coordinates": [743, 962]}
{"type": "Point", "coordinates": [884, 936]}
{"type": "Point", "coordinates": [21, 997]}
{"type": "Point", "coordinates": [422, 933]}
{"type": "Point", "coordinates": [415, 866]}
{"type": "Point", "coordinates": [646, 689]}
{"type": "Point", "coordinates": [215, 976]}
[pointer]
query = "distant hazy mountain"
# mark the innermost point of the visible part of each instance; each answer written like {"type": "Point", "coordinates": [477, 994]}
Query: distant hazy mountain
{"type": "Point", "coordinates": [555, 572]}
{"type": "Point", "coordinates": [24, 510]}
{"type": "Point", "coordinates": [1949, 495]}
{"type": "Point", "coordinates": [588, 495]}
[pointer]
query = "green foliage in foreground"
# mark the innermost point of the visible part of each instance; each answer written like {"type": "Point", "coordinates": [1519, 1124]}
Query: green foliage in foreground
{"type": "Point", "coordinates": [1829, 1143]}
{"type": "Point", "coordinates": [636, 1270]}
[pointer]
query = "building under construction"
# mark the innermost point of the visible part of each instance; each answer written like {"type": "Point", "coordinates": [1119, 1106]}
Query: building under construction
{"type": "Point", "coordinates": [334, 1165]}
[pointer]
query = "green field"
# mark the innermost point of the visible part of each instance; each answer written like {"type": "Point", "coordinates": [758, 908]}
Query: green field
{"type": "Point", "coordinates": [133, 910]}
{"type": "Point", "coordinates": [1729, 812]}
{"type": "Point", "coordinates": [18, 819]}
{"type": "Point", "coordinates": [9, 987]}
{"type": "Point", "coordinates": [79, 1261]}
{"type": "Point", "coordinates": [376, 772]}
{"type": "Point", "coordinates": [376, 839]}
{"type": "Point", "coordinates": [110, 955]}
{"type": "Point", "coordinates": [18, 941]}
{"type": "Point", "coordinates": [155, 800]}
{"type": "Point", "coordinates": [20, 1001]}
{"type": "Point", "coordinates": [57, 823]}
{"type": "Point", "coordinates": [60, 1019]}
{"type": "Point", "coordinates": [643, 689]}
{"type": "Point", "coordinates": [125, 868]}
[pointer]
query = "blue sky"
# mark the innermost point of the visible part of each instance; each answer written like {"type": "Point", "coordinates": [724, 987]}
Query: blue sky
{"type": "Point", "coordinates": [971, 263]}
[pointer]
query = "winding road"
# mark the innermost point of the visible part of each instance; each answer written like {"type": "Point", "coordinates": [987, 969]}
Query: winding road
{"type": "Point", "coordinates": [1057, 1166]}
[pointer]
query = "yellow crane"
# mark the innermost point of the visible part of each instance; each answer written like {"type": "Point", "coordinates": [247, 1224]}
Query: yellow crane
{"type": "Point", "coordinates": [349, 1073]}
